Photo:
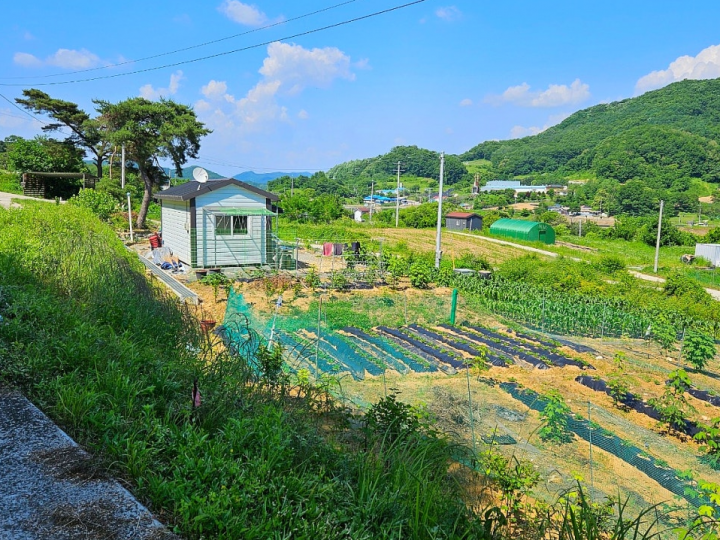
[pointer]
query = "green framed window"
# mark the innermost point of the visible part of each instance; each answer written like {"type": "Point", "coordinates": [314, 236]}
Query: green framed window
{"type": "Point", "coordinates": [231, 225]}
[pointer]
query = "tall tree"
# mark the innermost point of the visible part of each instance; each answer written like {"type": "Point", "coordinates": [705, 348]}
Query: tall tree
{"type": "Point", "coordinates": [88, 133]}
{"type": "Point", "coordinates": [152, 130]}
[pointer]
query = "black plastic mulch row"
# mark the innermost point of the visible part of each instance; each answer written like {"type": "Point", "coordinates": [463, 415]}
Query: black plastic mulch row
{"type": "Point", "coordinates": [490, 358]}
{"type": "Point", "coordinates": [394, 356]}
{"type": "Point", "coordinates": [633, 402]}
{"type": "Point", "coordinates": [553, 357]}
{"type": "Point", "coordinates": [712, 399]}
{"type": "Point", "coordinates": [432, 351]}
{"type": "Point", "coordinates": [504, 349]}
{"type": "Point", "coordinates": [536, 339]}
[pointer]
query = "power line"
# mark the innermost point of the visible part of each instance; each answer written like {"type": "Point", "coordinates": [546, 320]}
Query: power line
{"type": "Point", "coordinates": [32, 116]}
{"type": "Point", "coordinates": [225, 53]}
{"type": "Point", "coordinates": [204, 44]}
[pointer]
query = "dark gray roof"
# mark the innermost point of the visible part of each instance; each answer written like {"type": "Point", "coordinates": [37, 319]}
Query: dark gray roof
{"type": "Point", "coordinates": [190, 190]}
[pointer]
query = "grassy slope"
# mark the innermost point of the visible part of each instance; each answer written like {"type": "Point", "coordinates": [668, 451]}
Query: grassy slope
{"type": "Point", "coordinates": [111, 360]}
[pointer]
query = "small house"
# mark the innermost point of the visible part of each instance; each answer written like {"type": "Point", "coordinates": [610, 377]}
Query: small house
{"type": "Point", "coordinates": [518, 229]}
{"type": "Point", "coordinates": [709, 251]}
{"type": "Point", "coordinates": [463, 221]}
{"type": "Point", "coordinates": [219, 223]}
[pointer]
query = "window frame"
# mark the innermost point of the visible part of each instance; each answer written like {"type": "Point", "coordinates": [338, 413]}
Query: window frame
{"type": "Point", "coordinates": [235, 223]}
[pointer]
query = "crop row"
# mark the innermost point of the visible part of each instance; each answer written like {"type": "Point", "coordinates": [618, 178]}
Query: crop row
{"type": "Point", "coordinates": [631, 401]}
{"type": "Point", "coordinates": [629, 453]}
{"type": "Point", "coordinates": [447, 362]}
{"type": "Point", "coordinates": [395, 358]}
{"type": "Point", "coordinates": [459, 345]}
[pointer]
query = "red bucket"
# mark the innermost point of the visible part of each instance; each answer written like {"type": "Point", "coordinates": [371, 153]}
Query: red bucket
{"type": "Point", "coordinates": [155, 241]}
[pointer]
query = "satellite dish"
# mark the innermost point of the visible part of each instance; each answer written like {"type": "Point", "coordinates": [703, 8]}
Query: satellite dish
{"type": "Point", "coordinates": [200, 175]}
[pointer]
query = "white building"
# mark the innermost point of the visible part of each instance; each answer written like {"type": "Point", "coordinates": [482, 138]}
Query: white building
{"type": "Point", "coordinates": [710, 251]}
{"type": "Point", "coordinates": [219, 223]}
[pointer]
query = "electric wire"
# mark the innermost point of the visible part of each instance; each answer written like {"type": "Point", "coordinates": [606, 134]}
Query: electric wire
{"type": "Point", "coordinates": [225, 53]}
{"type": "Point", "coordinates": [197, 46]}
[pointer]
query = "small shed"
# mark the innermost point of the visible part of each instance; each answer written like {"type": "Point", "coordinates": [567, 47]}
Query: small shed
{"type": "Point", "coordinates": [530, 231]}
{"type": "Point", "coordinates": [220, 223]}
{"type": "Point", "coordinates": [709, 251]}
{"type": "Point", "coordinates": [463, 221]}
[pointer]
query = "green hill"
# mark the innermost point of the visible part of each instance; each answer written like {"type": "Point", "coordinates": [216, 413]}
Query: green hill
{"type": "Point", "coordinates": [414, 161]}
{"type": "Point", "coordinates": [661, 136]}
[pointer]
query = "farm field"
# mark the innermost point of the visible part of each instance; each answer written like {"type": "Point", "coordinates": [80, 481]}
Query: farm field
{"type": "Point", "coordinates": [380, 341]}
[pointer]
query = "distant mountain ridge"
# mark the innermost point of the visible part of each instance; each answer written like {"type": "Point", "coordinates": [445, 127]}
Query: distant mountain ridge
{"type": "Point", "coordinates": [256, 179]}
{"type": "Point", "coordinates": [684, 118]}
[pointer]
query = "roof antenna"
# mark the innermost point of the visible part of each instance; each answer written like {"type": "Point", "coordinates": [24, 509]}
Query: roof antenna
{"type": "Point", "coordinates": [200, 175]}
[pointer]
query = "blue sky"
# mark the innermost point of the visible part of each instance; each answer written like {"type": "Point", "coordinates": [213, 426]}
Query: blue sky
{"type": "Point", "coordinates": [440, 74]}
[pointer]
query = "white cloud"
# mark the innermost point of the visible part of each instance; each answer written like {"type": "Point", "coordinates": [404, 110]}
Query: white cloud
{"type": "Point", "coordinates": [214, 89]}
{"type": "Point", "coordinates": [519, 131]}
{"type": "Point", "coordinates": [556, 95]}
{"type": "Point", "coordinates": [28, 36]}
{"type": "Point", "coordinates": [449, 13]}
{"type": "Point", "coordinates": [62, 58]}
{"type": "Point", "coordinates": [149, 92]}
{"type": "Point", "coordinates": [72, 59]}
{"type": "Point", "coordinates": [466, 102]}
{"type": "Point", "coordinates": [242, 13]}
{"type": "Point", "coordinates": [297, 68]}
{"type": "Point", "coordinates": [26, 60]}
{"type": "Point", "coordinates": [706, 65]}
{"type": "Point", "coordinates": [287, 70]}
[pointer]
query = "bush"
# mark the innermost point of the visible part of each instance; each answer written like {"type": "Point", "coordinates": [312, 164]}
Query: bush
{"type": "Point", "coordinates": [698, 348]}
{"type": "Point", "coordinates": [100, 203]}
{"type": "Point", "coordinates": [610, 264]}
{"type": "Point", "coordinates": [420, 274]}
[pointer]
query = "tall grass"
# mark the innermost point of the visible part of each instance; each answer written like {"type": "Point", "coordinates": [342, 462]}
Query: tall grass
{"type": "Point", "coordinates": [113, 360]}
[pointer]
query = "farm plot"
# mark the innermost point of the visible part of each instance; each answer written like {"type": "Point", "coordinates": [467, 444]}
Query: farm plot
{"type": "Point", "coordinates": [633, 402]}
{"type": "Point", "coordinates": [443, 360]}
{"type": "Point", "coordinates": [554, 358]}
{"type": "Point", "coordinates": [458, 345]}
{"type": "Point", "coordinates": [395, 358]}
{"type": "Point", "coordinates": [498, 346]}
{"type": "Point", "coordinates": [663, 475]}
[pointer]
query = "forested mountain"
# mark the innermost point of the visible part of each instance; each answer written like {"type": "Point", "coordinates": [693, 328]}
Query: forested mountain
{"type": "Point", "coordinates": [658, 137]}
{"type": "Point", "coordinates": [414, 162]}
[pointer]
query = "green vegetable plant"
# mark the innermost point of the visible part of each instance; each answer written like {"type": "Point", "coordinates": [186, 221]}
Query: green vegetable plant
{"type": "Point", "coordinates": [216, 281]}
{"type": "Point", "coordinates": [698, 348]}
{"type": "Point", "coordinates": [554, 420]}
{"type": "Point", "coordinates": [709, 439]}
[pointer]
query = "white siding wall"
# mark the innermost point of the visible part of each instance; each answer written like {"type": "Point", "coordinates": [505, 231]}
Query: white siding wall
{"type": "Point", "coordinates": [230, 250]}
{"type": "Point", "coordinates": [710, 251]}
{"type": "Point", "coordinates": [176, 228]}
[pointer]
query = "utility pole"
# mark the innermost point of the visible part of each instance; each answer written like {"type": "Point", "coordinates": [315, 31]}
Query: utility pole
{"type": "Point", "coordinates": [657, 244]}
{"type": "Point", "coordinates": [397, 198]}
{"type": "Point", "coordinates": [699, 212]}
{"type": "Point", "coordinates": [438, 252]}
{"type": "Point", "coordinates": [122, 167]}
{"type": "Point", "coordinates": [292, 186]}
{"type": "Point", "coordinates": [372, 196]}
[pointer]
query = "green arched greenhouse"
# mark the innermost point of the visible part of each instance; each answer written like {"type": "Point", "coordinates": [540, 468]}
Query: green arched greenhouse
{"type": "Point", "coordinates": [530, 231]}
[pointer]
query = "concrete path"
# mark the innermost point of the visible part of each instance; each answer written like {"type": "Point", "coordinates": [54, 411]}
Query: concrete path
{"type": "Point", "coordinates": [6, 199]}
{"type": "Point", "coordinates": [52, 489]}
{"type": "Point", "coordinates": [656, 279]}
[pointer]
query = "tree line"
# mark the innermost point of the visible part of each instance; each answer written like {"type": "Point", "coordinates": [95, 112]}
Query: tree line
{"type": "Point", "coordinates": [149, 130]}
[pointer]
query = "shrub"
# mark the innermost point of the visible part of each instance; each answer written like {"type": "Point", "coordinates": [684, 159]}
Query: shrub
{"type": "Point", "coordinates": [610, 264]}
{"type": "Point", "coordinates": [100, 203]}
{"type": "Point", "coordinates": [420, 275]}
